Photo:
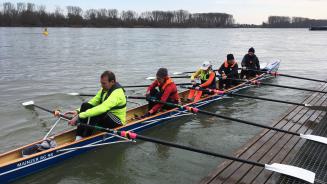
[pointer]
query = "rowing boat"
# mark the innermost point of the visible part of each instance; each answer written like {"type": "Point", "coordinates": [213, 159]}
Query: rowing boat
{"type": "Point", "coordinates": [13, 166]}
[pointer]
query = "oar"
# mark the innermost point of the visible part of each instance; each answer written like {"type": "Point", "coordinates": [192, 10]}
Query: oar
{"type": "Point", "coordinates": [80, 94]}
{"type": "Point", "coordinates": [268, 72]}
{"type": "Point", "coordinates": [147, 85]}
{"type": "Point", "coordinates": [182, 73]}
{"type": "Point", "coordinates": [255, 82]}
{"type": "Point", "coordinates": [296, 172]}
{"type": "Point", "coordinates": [320, 108]}
{"type": "Point", "coordinates": [313, 107]}
{"type": "Point", "coordinates": [131, 86]}
{"type": "Point", "coordinates": [289, 87]}
{"type": "Point", "coordinates": [84, 94]}
{"type": "Point", "coordinates": [90, 95]}
{"type": "Point", "coordinates": [287, 75]}
{"type": "Point", "coordinates": [31, 104]}
{"type": "Point", "coordinates": [174, 77]}
{"type": "Point", "coordinates": [196, 110]}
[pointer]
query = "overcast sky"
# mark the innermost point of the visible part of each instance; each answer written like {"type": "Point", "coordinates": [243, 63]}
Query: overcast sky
{"type": "Point", "coordinates": [244, 11]}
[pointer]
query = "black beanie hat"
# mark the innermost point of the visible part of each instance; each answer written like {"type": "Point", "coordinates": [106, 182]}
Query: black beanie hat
{"type": "Point", "coordinates": [230, 57]}
{"type": "Point", "coordinates": [162, 72]}
{"type": "Point", "coordinates": [251, 50]}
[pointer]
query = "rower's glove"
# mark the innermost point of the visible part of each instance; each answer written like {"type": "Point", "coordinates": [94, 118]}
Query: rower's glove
{"type": "Point", "coordinates": [148, 97]}
{"type": "Point", "coordinates": [244, 68]}
{"type": "Point", "coordinates": [196, 85]}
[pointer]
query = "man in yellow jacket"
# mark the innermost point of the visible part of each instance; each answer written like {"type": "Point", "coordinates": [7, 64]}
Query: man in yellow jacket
{"type": "Point", "coordinates": [107, 108]}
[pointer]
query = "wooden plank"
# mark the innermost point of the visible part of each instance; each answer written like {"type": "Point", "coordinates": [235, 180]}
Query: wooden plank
{"type": "Point", "coordinates": [276, 142]}
{"type": "Point", "coordinates": [272, 178]}
{"type": "Point", "coordinates": [294, 115]}
{"type": "Point", "coordinates": [225, 164]}
{"type": "Point", "coordinates": [279, 153]}
{"type": "Point", "coordinates": [280, 149]}
{"type": "Point", "coordinates": [254, 148]}
{"type": "Point", "coordinates": [221, 167]}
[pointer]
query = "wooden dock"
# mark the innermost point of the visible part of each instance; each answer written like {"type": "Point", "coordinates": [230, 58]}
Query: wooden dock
{"type": "Point", "coordinates": [272, 147]}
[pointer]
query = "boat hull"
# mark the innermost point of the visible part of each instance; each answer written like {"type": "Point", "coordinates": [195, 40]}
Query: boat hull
{"type": "Point", "coordinates": [25, 166]}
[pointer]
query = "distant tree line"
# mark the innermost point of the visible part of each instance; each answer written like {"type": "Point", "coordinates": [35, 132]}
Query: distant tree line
{"type": "Point", "coordinates": [29, 14]}
{"type": "Point", "coordinates": [292, 22]}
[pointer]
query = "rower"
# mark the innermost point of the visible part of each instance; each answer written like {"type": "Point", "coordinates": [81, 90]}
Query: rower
{"type": "Point", "coordinates": [228, 71]}
{"type": "Point", "coordinates": [166, 92]}
{"type": "Point", "coordinates": [106, 109]}
{"type": "Point", "coordinates": [250, 62]}
{"type": "Point", "coordinates": [208, 80]}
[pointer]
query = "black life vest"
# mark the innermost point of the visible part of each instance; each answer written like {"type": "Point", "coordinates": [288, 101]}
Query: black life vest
{"type": "Point", "coordinates": [112, 89]}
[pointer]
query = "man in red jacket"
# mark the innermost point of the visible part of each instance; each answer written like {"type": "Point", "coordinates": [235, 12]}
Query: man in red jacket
{"type": "Point", "coordinates": [166, 92]}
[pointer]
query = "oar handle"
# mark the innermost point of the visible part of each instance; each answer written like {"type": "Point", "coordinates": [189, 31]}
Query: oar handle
{"type": "Point", "coordinates": [137, 86]}
{"type": "Point", "coordinates": [136, 97]}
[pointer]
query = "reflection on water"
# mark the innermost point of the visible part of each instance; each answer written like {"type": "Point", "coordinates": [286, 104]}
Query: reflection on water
{"type": "Point", "coordinates": [43, 69]}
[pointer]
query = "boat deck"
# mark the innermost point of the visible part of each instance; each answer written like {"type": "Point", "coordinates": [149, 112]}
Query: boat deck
{"type": "Point", "coordinates": [276, 147]}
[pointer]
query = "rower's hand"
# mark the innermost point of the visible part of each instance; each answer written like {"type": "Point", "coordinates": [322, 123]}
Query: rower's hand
{"type": "Point", "coordinates": [224, 76]}
{"type": "Point", "coordinates": [73, 113]}
{"type": "Point", "coordinates": [57, 113]}
{"type": "Point", "coordinates": [193, 82]}
{"type": "Point", "coordinates": [148, 96]}
{"type": "Point", "coordinates": [73, 121]}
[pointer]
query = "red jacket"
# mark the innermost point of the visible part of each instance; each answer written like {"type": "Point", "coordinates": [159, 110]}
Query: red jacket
{"type": "Point", "coordinates": [168, 91]}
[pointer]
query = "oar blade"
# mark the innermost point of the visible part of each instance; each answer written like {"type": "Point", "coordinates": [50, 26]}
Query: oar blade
{"type": "Point", "coordinates": [178, 73]}
{"type": "Point", "coordinates": [296, 172]}
{"type": "Point", "coordinates": [150, 78]}
{"type": "Point", "coordinates": [29, 103]}
{"type": "Point", "coordinates": [315, 138]}
{"type": "Point", "coordinates": [79, 94]}
{"type": "Point", "coordinates": [73, 94]}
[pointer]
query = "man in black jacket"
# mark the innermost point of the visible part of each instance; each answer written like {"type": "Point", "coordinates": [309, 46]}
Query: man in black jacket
{"type": "Point", "coordinates": [228, 71]}
{"type": "Point", "coordinates": [250, 65]}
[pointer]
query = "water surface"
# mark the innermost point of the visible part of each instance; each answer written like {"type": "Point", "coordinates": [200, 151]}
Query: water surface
{"type": "Point", "coordinates": [43, 69]}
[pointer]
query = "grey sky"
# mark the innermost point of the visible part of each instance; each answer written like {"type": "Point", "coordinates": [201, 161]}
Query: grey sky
{"type": "Point", "coordinates": [244, 11]}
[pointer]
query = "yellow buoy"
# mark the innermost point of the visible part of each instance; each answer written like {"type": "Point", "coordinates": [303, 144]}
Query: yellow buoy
{"type": "Point", "coordinates": [45, 32]}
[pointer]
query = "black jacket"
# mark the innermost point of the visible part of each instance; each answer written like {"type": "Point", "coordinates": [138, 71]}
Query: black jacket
{"type": "Point", "coordinates": [251, 62]}
{"type": "Point", "coordinates": [231, 72]}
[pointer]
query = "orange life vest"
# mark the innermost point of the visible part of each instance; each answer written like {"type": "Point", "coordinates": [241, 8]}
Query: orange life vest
{"type": "Point", "coordinates": [227, 65]}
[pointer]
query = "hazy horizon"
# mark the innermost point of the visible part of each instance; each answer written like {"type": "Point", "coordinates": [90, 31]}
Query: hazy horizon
{"type": "Point", "coordinates": [250, 12]}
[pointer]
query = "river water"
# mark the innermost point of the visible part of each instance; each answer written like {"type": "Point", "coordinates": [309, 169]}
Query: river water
{"type": "Point", "coordinates": [43, 69]}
